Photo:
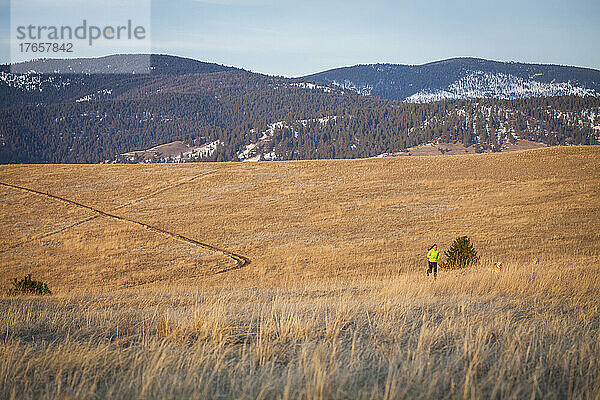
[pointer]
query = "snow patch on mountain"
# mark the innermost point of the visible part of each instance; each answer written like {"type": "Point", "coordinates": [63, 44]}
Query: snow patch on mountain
{"type": "Point", "coordinates": [203, 151]}
{"type": "Point", "coordinates": [479, 84]}
{"type": "Point", "coordinates": [249, 152]}
{"type": "Point", "coordinates": [259, 150]}
{"type": "Point", "coordinates": [364, 89]}
{"type": "Point", "coordinates": [313, 86]}
{"type": "Point", "coordinates": [173, 152]}
{"type": "Point", "coordinates": [100, 94]}
{"type": "Point", "coordinates": [31, 81]}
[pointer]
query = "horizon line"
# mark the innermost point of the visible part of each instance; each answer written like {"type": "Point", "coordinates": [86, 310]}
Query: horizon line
{"type": "Point", "coordinates": [305, 75]}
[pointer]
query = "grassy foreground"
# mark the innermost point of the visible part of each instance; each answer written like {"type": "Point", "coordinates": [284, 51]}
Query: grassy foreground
{"type": "Point", "coordinates": [334, 303]}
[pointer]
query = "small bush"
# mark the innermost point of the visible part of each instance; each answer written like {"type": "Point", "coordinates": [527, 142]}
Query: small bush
{"type": "Point", "coordinates": [28, 286]}
{"type": "Point", "coordinates": [461, 254]}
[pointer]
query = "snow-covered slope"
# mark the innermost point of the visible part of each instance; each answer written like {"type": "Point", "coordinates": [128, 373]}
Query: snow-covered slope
{"type": "Point", "coordinates": [462, 78]}
{"type": "Point", "coordinates": [264, 147]}
{"type": "Point", "coordinates": [31, 82]}
{"type": "Point", "coordinates": [479, 84]}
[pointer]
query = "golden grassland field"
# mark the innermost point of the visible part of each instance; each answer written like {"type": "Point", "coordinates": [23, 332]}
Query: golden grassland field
{"type": "Point", "coordinates": [334, 302]}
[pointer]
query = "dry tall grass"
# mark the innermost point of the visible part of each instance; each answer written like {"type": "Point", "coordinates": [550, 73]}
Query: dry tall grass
{"type": "Point", "coordinates": [467, 335]}
{"type": "Point", "coordinates": [335, 303]}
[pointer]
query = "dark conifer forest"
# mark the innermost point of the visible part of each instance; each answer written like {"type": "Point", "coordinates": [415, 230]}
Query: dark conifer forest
{"type": "Point", "coordinates": [92, 118]}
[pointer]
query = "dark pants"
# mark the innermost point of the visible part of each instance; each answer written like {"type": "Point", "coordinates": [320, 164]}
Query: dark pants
{"type": "Point", "coordinates": [432, 268]}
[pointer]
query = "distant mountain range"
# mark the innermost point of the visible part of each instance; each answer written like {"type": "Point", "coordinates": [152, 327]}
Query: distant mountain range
{"type": "Point", "coordinates": [456, 78]}
{"type": "Point", "coordinates": [82, 79]}
{"type": "Point", "coordinates": [211, 112]}
{"type": "Point", "coordinates": [154, 64]}
{"type": "Point", "coordinates": [462, 78]}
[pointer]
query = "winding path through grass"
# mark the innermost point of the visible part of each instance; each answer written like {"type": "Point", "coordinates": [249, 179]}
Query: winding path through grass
{"type": "Point", "coordinates": [240, 261]}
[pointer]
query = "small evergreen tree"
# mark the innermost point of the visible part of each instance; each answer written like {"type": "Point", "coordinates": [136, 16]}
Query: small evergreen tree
{"type": "Point", "coordinates": [461, 254]}
{"type": "Point", "coordinates": [28, 286]}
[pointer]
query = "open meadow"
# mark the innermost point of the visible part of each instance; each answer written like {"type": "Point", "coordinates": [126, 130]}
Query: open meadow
{"type": "Point", "coordinates": [303, 279]}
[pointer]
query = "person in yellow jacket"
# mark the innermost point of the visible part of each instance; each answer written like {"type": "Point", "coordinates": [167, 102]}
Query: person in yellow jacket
{"type": "Point", "coordinates": [433, 256]}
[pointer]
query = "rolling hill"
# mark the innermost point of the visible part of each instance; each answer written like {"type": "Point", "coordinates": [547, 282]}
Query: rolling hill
{"type": "Point", "coordinates": [462, 78]}
{"type": "Point", "coordinates": [229, 114]}
{"type": "Point", "coordinates": [334, 301]}
{"type": "Point", "coordinates": [86, 79]}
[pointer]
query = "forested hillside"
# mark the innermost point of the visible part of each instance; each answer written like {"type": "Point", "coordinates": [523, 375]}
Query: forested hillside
{"type": "Point", "coordinates": [462, 78]}
{"type": "Point", "coordinates": [248, 116]}
{"type": "Point", "coordinates": [72, 82]}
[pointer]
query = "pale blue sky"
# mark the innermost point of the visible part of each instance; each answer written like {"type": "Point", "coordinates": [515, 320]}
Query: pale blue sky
{"type": "Point", "coordinates": [293, 38]}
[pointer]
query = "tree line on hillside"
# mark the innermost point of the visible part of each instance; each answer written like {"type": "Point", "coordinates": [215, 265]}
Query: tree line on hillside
{"type": "Point", "coordinates": [397, 82]}
{"type": "Point", "coordinates": [237, 115]}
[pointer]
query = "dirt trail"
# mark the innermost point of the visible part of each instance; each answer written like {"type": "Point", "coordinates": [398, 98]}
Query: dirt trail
{"type": "Point", "coordinates": [80, 222]}
{"type": "Point", "coordinates": [240, 260]}
{"type": "Point", "coordinates": [159, 191]}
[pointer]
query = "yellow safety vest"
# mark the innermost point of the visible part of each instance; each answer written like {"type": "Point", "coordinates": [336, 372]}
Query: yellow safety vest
{"type": "Point", "coordinates": [433, 255]}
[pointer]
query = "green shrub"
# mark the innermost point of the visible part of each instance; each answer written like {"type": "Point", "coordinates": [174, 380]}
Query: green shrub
{"type": "Point", "coordinates": [28, 286]}
{"type": "Point", "coordinates": [461, 254]}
